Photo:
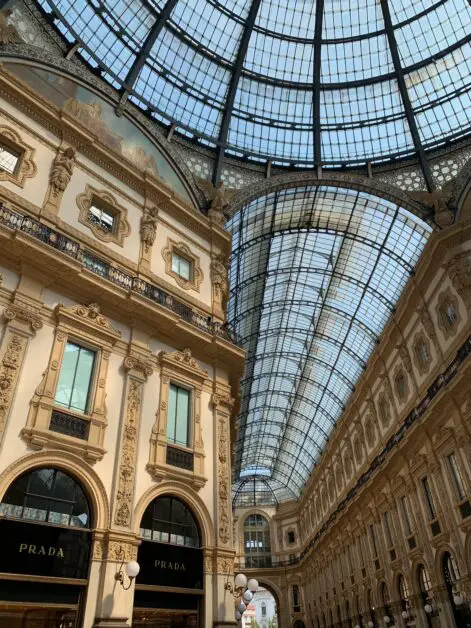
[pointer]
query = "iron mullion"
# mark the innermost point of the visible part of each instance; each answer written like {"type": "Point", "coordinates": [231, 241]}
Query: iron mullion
{"type": "Point", "coordinates": [405, 96]}
{"type": "Point", "coordinates": [234, 82]}
{"type": "Point", "coordinates": [316, 83]}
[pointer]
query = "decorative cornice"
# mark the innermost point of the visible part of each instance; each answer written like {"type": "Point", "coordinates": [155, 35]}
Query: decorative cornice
{"type": "Point", "coordinates": [88, 316]}
{"type": "Point", "coordinates": [24, 314]}
{"type": "Point", "coordinates": [138, 364]}
{"type": "Point", "coordinates": [182, 359]}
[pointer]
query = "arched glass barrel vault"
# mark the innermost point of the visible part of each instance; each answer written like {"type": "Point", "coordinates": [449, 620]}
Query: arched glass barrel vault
{"type": "Point", "coordinates": [315, 274]}
{"type": "Point", "coordinates": [275, 79]}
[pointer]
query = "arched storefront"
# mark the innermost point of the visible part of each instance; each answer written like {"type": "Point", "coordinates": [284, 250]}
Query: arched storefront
{"type": "Point", "coordinates": [45, 527]}
{"type": "Point", "coordinates": [170, 586]}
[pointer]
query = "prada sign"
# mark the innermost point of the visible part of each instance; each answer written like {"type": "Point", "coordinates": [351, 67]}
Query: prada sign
{"type": "Point", "coordinates": [42, 550]}
{"type": "Point", "coordinates": [170, 565]}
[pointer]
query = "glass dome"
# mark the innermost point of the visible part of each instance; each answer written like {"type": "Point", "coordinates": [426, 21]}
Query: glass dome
{"type": "Point", "coordinates": [337, 82]}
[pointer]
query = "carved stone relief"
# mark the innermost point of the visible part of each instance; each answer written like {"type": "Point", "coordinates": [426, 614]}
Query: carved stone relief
{"type": "Point", "coordinates": [59, 178]}
{"type": "Point", "coordinates": [220, 284]}
{"type": "Point", "coordinates": [9, 369]}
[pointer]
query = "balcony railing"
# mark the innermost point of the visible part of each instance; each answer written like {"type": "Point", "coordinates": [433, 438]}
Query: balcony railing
{"type": "Point", "coordinates": [118, 276]}
{"type": "Point", "coordinates": [265, 562]}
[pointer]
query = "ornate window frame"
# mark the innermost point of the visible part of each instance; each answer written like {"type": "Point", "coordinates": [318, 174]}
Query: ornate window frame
{"type": "Point", "coordinates": [444, 299]}
{"type": "Point", "coordinates": [180, 368]}
{"type": "Point", "coordinates": [370, 430]}
{"type": "Point", "coordinates": [121, 227]}
{"type": "Point", "coordinates": [26, 167]}
{"type": "Point", "coordinates": [384, 410]}
{"type": "Point", "coordinates": [421, 339]}
{"type": "Point", "coordinates": [183, 250]}
{"type": "Point", "coordinates": [84, 325]}
{"type": "Point", "coordinates": [399, 372]}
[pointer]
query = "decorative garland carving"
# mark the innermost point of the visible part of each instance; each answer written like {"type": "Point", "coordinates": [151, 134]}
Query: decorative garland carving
{"type": "Point", "coordinates": [127, 468]}
{"type": "Point", "coordinates": [9, 369]}
{"type": "Point", "coordinates": [24, 313]}
{"type": "Point", "coordinates": [224, 511]}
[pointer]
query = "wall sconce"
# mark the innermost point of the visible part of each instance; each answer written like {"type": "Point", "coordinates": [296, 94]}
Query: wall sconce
{"type": "Point", "coordinates": [132, 568]}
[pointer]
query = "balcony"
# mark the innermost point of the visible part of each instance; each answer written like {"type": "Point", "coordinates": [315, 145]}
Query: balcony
{"type": "Point", "coordinates": [110, 272]}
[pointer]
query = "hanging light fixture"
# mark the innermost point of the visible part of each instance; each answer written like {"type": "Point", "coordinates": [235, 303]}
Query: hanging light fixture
{"type": "Point", "coordinates": [242, 591]}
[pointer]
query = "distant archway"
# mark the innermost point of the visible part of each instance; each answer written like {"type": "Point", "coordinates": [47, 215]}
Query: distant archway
{"type": "Point", "coordinates": [276, 594]}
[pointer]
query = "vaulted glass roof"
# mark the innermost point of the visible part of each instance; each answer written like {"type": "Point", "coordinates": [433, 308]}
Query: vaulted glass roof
{"type": "Point", "coordinates": [337, 82]}
{"type": "Point", "coordinates": [315, 275]}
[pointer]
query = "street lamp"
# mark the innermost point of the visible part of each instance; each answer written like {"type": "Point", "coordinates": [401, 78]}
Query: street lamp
{"type": "Point", "coordinates": [243, 591]}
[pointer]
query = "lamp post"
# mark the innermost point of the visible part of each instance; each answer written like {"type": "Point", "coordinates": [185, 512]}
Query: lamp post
{"type": "Point", "coordinates": [242, 592]}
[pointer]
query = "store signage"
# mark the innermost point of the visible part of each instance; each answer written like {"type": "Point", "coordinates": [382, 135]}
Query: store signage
{"type": "Point", "coordinates": [168, 565]}
{"type": "Point", "coordinates": [43, 550]}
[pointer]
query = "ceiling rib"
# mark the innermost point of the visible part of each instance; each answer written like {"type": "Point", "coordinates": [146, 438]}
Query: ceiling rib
{"type": "Point", "coordinates": [405, 96]}
{"type": "Point", "coordinates": [231, 94]}
{"type": "Point", "coordinates": [144, 52]}
{"type": "Point", "coordinates": [316, 86]}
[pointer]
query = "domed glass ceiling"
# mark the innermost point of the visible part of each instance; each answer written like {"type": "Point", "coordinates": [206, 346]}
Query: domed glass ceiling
{"type": "Point", "coordinates": [300, 82]}
{"type": "Point", "coordinates": [315, 275]}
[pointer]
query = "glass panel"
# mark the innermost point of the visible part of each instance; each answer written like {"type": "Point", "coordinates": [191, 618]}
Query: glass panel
{"type": "Point", "coordinates": [67, 374]}
{"type": "Point", "coordinates": [75, 377]}
{"type": "Point", "coordinates": [168, 520]}
{"type": "Point", "coordinates": [182, 266]}
{"type": "Point", "coordinates": [8, 159]}
{"type": "Point", "coordinates": [172, 413]}
{"type": "Point", "coordinates": [183, 413]}
{"type": "Point", "coordinates": [457, 479]}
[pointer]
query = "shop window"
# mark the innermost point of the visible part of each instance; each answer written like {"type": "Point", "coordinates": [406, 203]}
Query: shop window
{"type": "Point", "coordinates": [182, 265]}
{"type": "Point", "coordinates": [257, 544]}
{"type": "Point", "coordinates": [178, 420]}
{"type": "Point", "coordinates": [48, 496]}
{"type": "Point", "coordinates": [74, 416]}
{"type": "Point", "coordinates": [75, 378]}
{"type": "Point", "coordinates": [176, 447]}
{"type": "Point", "coordinates": [103, 215]}
{"type": "Point", "coordinates": [169, 520]}
{"type": "Point", "coordinates": [16, 157]}
{"type": "Point", "coordinates": [456, 477]}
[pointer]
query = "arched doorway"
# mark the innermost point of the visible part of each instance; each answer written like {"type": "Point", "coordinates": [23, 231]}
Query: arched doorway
{"type": "Point", "coordinates": [46, 518]}
{"type": "Point", "coordinates": [386, 600]}
{"type": "Point", "coordinates": [170, 586]}
{"type": "Point", "coordinates": [451, 576]}
{"type": "Point", "coordinates": [403, 592]}
{"type": "Point", "coordinates": [257, 545]}
{"type": "Point", "coordinates": [425, 586]}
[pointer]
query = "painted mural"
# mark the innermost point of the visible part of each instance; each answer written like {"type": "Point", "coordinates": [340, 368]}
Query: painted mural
{"type": "Point", "coordinates": [98, 116]}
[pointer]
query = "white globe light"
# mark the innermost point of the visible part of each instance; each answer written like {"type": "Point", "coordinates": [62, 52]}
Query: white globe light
{"type": "Point", "coordinates": [357, 626]}
{"type": "Point", "coordinates": [428, 608]}
{"type": "Point", "coordinates": [132, 569]}
{"type": "Point", "coordinates": [458, 599]}
{"type": "Point", "coordinates": [241, 608]}
{"type": "Point", "coordinates": [371, 624]}
{"type": "Point", "coordinates": [240, 580]}
{"type": "Point", "coordinates": [238, 615]}
{"type": "Point", "coordinates": [387, 619]}
{"type": "Point", "coordinates": [405, 614]}
{"type": "Point", "coordinates": [252, 584]}
{"type": "Point", "coordinates": [248, 595]}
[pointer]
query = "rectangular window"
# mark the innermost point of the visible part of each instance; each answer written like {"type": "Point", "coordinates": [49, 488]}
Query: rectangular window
{"type": "Point", "coordinates": [178, 418]}
{"type": "Point", "coordinates": [102, 217]}
{"type": "Point", "coordinates": [295, 595]}
{"type": "Point", "coordinates": [406, 515]}
{"type": "Point", "coordinates": [374, 546]}
{"type": "Point", "coordinates": [387, 529]}
{"type": "Point", "coordinates": [75, 378]}
{"type": "Point", "coordinates": [456, 477]}
{"type": "Point", "coordinates": [182, 266]}
{"type": "Point", "coordinates": [432, 511]}
{"type": "Point", "coordinates": [9, 158]}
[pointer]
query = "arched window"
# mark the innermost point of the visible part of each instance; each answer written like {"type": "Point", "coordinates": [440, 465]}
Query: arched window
{"type": "Point", "coordinates": [257, 545]}
{"type": "Point", "coordinates": [169, 520]}
{"type": "Point", "coordinates": [403, 592]}
{"type": "Point", "coordinates": [386, 601]}
{"type": "Point", "coordinates": [49, 496]}
{"type": "Point", "coordinates": [425, 588]}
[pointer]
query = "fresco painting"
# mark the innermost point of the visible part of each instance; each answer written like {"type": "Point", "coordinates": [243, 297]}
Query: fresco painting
{"type": "Point", "coordinates": [98, 116]}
